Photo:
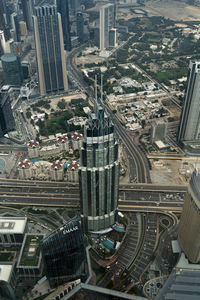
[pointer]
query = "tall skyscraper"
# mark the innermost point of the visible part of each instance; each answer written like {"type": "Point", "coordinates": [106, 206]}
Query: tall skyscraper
{"type": "Point", "coordinates": [12, 70]}
{"type": "Point", "coordinates": [107, 22]}
{"type": "Point", "coordinates": [27, 13]}
{"type": "Point", "coordinates": [188, 230]}
{"type": "Point", "coordinates": [7, 122]}
{"type": "Point", "coordinates": [50, 49]}
{"type": "Point", "coordinates": [99, 173]}
{"type": "Point", "coordinates": [63, 9]}
{"type": "Point", "coordinates": [189, 128]}
{"type": "Point", "coordinates": [63, 253]}
{"type": "Point", "coordinates": [79, 26]}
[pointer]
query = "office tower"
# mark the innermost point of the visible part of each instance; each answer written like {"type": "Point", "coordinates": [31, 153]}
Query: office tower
{"type": "Point", "coordinates": [189, 127]}
{"type": "Point", "coordinates": [27, 13]}
{"type": "Point", "coordinates": [2, 42]}
{"type": "Point", "coordinates": [113, 37]}
{"type": "Point", "coordinates": [23, 28]}
{"type": "Point", "coordinates": [63, 9]}
{"type": "Point", "coordinates": [158, 131]}
{"type": "Point", "coordinates": [7, 122]}
{"type": "Point", "coordinates": [188, 230]}
{"type": "Point", "coordinates": [99, 173]}
{"type": "Point", "coordinates": [107, 22]}
{"type": "Point", "coordinates": [80, 26]}
{"type": "Point", "coordinates": [75, 6]}
{"type": "Point", "coordinates": [15, 27]}
{"type": "Point", "coordinates": [2, 20]}
{"type": "Point", "coordinates": [63, 253]}
{"type": "Point", "coordinates": [12, 70]}
{"type": "Point", "coordinates": [49, 49]}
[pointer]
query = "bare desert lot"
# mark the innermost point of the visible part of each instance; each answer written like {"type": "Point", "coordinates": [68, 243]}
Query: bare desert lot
{"type": "Point", "coordinates": [175, 10]}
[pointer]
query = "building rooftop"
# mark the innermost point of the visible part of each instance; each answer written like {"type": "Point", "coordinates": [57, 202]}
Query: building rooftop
{"type": "Point", "coordinates": [33, 144]}
{"type": "Point", "coordinates": [24, 164]}
{"type": "Point", "coordinates": [9, 57]}
{"type": "Point", "coordinates": [57, 165]}
{"type": "Point", "coordinates": [183, 283]}
{"type": "Point", "coordinates": [73, 165]}
{"type": "Point", "coordinates": [30, 254]}
{"type": "Point", "coordinates": [77, 136]}
{"type": "Point", "coordinates": [12, 225]}
{"type": "Point", "coordinates": [5, 271]}
{"type": "Point", "coordinates": [62, 138]}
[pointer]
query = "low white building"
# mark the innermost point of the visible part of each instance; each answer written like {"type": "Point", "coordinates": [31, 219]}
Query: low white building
{"type": "Point", "coordinates": [12, 230]}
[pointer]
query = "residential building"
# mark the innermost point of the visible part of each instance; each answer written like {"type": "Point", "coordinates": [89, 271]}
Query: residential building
{"type": "Point", "coordinates": [188, 230]}
{"type": "Point", "coordinates": [12, 70]}
{"type": "Point", "coordinates": [72, 171]}
{"type": "Point", "coordinates": [189, 127]}
{"type": "Point", "coordinates": [12, 231]}
{"type": "Point", "coordinates": [50, 49]}
{"type": "Point", "coordinates": [41, 170]}
{"type": "Point", "coordinates": [63, 9]}
{"type": "Point", "coordinates": [33, 149]}
{"type": "Point", "coordinates": [63, 142]}
{"type": "Point", "coordinates": [113, 37]}
{"type": "Point", "coordinates": [107, 22]}
{"type": "Point", "coordinates": [63, 253]}
{"type": "Point", "coordinates": [7, 122]}
{"type": "Point", "coordinates": [99, 173]}
{"type": "Point", "coordinates": [77, 139]}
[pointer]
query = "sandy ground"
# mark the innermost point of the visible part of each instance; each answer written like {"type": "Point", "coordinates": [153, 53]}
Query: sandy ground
{"type": "Point", "coordinates": [171, 9]}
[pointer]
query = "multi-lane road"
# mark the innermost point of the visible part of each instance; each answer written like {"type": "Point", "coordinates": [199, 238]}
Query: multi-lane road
{"type": "Point", "coordinates": [140, 197]}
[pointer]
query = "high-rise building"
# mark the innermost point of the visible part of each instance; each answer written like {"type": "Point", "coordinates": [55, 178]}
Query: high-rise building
{"type": "Point", "coordinates": [15, 27]}
{"type": "Point", "coordinates": [63, 253]}
{"type": "Point", "coordinates": [99, 173]}
{"type": "Point", "coordinates": [80, 26]}
{"type": "Point", "coordinates": [107, 22]}
{"type": "Point", "coordinates": [189, 128]}
{"type": "Point", "coordinates": [63, 9]}
{"type": "Point", "coordinates": [188, 230]}
{"type": "Point", "coordinates": [113, 37]}
{"type": "Point", "coordinates": [50, 49]}
{"type": "Point", "coordinates": [27, 13]}
{"type": "Point", "coordinates": [75, 6]}
{"type": "Point", "coordinates": [12, 70]}
{"type": "Point", "coordinates": [7, 122]}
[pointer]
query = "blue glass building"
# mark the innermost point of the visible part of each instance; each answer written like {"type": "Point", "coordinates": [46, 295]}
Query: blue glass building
{"type": "Point", "coordinates": [63, 253]}
{"type": "Point", "coordinates": [12, 70]}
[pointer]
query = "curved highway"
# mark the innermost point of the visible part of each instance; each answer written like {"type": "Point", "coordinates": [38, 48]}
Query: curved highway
{"type": "Point", "coordinates": [137, 156]}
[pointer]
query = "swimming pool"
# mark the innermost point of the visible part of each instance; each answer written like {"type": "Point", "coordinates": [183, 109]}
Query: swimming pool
{"type": "Point", "coordinates": [119, 227]}
{"type": "Point", "coordinates": [109, 244]}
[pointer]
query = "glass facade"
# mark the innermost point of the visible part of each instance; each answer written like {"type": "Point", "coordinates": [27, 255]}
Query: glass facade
{"type": "Point", "coordinates": [99, 173]}
{"type": "Point", "coordinates": [12, 70]}
{"type": "Point", "coordinates": [189, 128]}
{"type": "Point", "coordinates": [63, 253]}
{"type": "Point", "coordinates": [63, 9]}
{"type": "Point", "coordinates": [7, 122]}
{"type": "Point", "coordinates": [50, 49]}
